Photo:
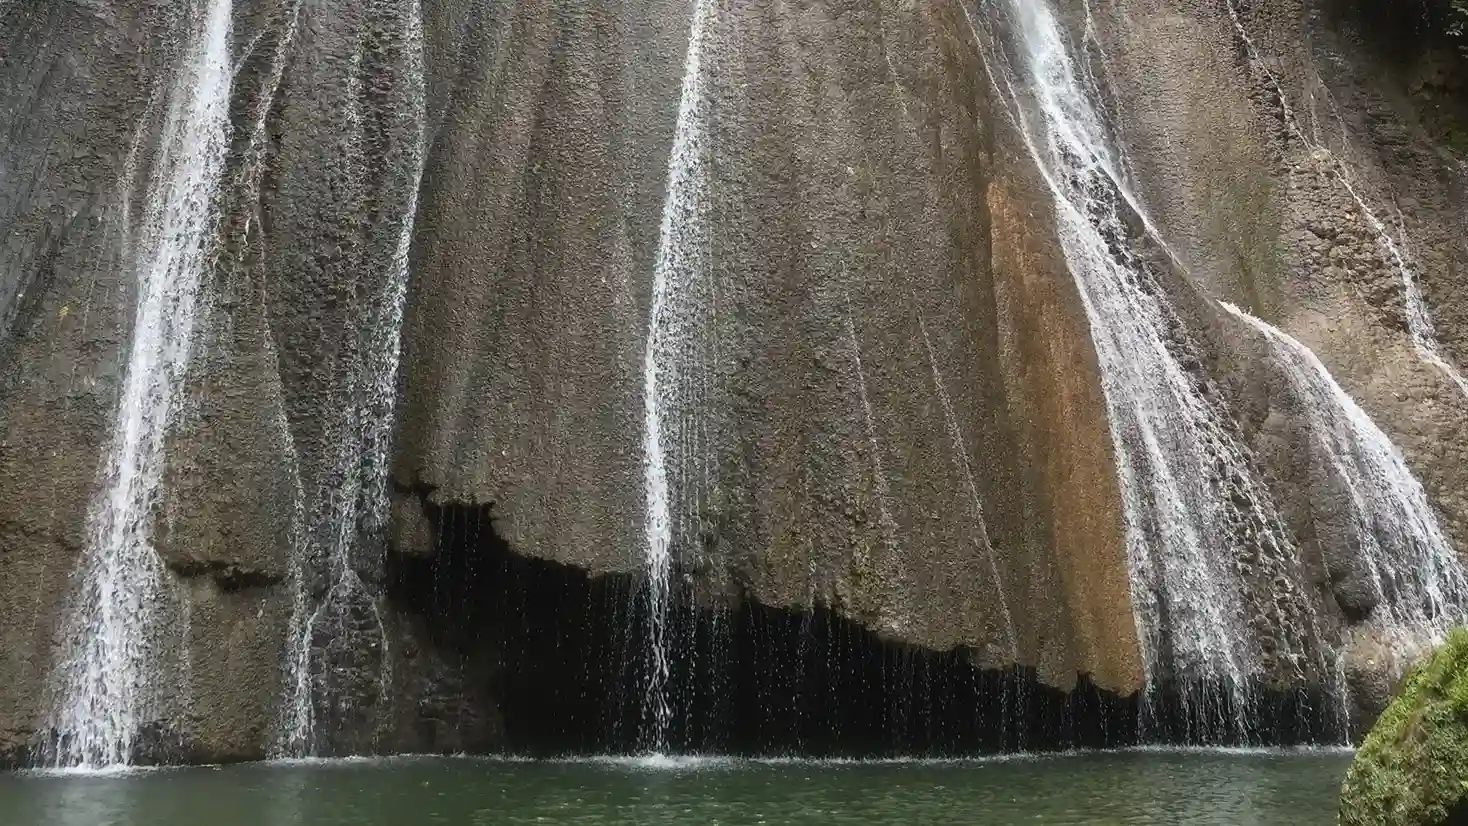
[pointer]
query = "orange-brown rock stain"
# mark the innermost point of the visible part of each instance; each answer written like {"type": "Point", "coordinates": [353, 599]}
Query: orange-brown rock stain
{"type": "Point", "coordinates": [1060, 411]}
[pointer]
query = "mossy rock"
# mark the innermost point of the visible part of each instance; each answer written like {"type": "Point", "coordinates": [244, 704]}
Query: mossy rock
{"type": "Point", "coordinates": [1412, 770]}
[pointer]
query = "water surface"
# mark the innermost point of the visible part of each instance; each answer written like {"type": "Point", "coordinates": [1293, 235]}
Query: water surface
{"type": "Point", "coordinates": [1116, 789]}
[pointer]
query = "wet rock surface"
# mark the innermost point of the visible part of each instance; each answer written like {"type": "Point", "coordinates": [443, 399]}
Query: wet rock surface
{"type": "Point", "coordinates": [1282, 151]}
{"type": "Point", "coordinates": [899, 419]}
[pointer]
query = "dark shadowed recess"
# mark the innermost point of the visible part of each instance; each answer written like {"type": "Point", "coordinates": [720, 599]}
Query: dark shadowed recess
{"type": "Point", "coordinates": [1401, 26]}
{"type": "Point", "coordinates": [756, 680]}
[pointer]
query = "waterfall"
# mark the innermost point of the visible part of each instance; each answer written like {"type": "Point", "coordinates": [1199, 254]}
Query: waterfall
{"type": "Point", "coordinates": [1199, 520]}
{"type": "Point", "coordinates": [295, 726]}
{"type": "Point", "coordinates": [670, 381]}
{"type": "Point", "coordinates": [352, 511]}
{"type": "Point", "coordinates": [1194, 506]}
{"type": "Point", "coordinates": [1415, 574]}
{"type": "Point", "coordinates": [105, 678]}
{"type": "Point", "coordinates": [1419, 320]}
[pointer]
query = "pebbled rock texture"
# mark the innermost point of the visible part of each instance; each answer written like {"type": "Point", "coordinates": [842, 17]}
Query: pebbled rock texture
{"type": "Point", "coordinates": [899, 417]}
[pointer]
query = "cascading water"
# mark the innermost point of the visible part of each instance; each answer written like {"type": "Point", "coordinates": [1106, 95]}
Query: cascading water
{"type": "Point", "coordinates": [295, 727]}
{"type": "Point", "coordinates": [1197, 514]}
{"type": "Point", "coordinates": [350, 521]}
{"type": "Point", "coordinates": [1417, 578]}
{"type": "Point", "coordinates": [1194, 505]}
{"type": "Point", "coordinates": [104, 681]}
{"type": "Point", "coordinates": [672, 376]}
{"type": "Point", "coordinates": [1419, 320]}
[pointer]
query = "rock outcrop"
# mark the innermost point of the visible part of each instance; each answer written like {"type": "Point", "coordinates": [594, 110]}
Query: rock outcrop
{"type": "Point", "coordinates": [1295, 156]}
{"type": "Point", "coordinates": [1412, 769]}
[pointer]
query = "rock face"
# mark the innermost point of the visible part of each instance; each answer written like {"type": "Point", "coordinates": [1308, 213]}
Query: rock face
{"type": "Point", "coordinates": [849, 212]}
{"type": "Point", "coordinates": [1293, 153]}
{"type": "Point", "coordinates": [895, 415]}
{"type": "Point", "coordinates": [1412, 768]}
{"type": "Point", "coordinates": [1262, 158]}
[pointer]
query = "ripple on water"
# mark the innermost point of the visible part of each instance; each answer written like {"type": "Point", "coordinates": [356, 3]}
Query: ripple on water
{"type": "Point", "coordinates": [1140, 787]}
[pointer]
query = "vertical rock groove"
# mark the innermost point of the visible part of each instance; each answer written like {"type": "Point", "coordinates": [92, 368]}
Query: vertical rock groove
{"type": "Point", "coordinates": [341, 643]}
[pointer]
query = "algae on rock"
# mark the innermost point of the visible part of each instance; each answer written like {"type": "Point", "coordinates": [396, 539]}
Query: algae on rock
{"type": "Point", "coordinates": [1412, 770]}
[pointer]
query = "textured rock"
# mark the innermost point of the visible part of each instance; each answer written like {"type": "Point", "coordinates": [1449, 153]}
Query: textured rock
{"type": "Point", "coordinates": [852, 170]}
{"type": "Point", "coordinates": [522, 348]}
{"type": "Point", "coordinates": [898, 420]}
{"type": "Point", "coordinates": [1256, 202]}
{"type": "Point", "coordinates": [1373, 671]}
{"type": "Point", "coordinates": [1255, 138]}
{"type": "Point", "coordinates": [64, 151]}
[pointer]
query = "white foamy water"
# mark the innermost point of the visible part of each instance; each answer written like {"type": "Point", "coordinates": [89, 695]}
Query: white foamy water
{"type": "Point", "coordinates": [355, 509]}
{"type": "Point", "coordinates": [104, 681]}
{"type": "Point", "coordinates": [1419, 319]}
{"type": "Point", "coordinates": [681, 763]}
{"type": "Point", "coordinates": [1173, 445]}
{"type": "Point", "coordinates": [1418, 579]}
{"type": "Point", "coordinates": [1194, 505]}
{"type": "Point", "coordinates": [669, 374]}
{"type": "Point", "coordinates": [1188, 482]}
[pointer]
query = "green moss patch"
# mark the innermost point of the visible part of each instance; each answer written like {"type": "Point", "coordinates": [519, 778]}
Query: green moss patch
{"type": "Point", "coordinates": [1413, 768]}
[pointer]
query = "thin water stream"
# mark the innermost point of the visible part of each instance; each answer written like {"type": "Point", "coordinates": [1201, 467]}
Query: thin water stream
{"type": "Point", "coordinates": [961, 459]}
{"type": "Point", "coordinates": [1190, 492]}
{"type": "Point", "coordinates": [1419, 319]}
{"type": "Point", "coordinates": [1416, 578]}
{"type": "Point", "coordinates": [1200, 521]}
{"type": "Point", "coordinates": [346, 623]}
{"type": "Point", "coordinates": [105, 679]}
{"type": "Point", "coordinates": [672, 372]}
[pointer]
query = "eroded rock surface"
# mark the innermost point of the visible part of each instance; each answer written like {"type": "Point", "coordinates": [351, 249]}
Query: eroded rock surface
{"type": "Point", "coordinates": [899, 420]}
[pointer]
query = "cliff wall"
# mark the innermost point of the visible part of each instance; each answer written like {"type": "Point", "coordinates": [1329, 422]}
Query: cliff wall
{"type": "Point", "coordinates": [890, 407]}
